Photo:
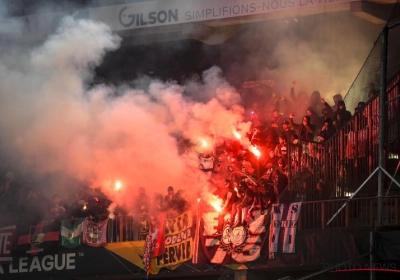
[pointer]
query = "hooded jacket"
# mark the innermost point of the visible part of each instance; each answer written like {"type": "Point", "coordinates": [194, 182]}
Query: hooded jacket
{"type": "Point", "coordinates": [306, 132]}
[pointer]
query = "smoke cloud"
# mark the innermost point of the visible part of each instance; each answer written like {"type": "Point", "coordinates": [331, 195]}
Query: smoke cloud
{"type": "Point", "coordinates": [58, 129]}
{"type": "Point", "coordinates": [322, 52]}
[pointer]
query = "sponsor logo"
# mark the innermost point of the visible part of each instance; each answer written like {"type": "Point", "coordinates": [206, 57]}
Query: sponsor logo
{"type": "Point", "coordinates": [127, 19]}
{"type": "Point", "coordinates": [46, 263]}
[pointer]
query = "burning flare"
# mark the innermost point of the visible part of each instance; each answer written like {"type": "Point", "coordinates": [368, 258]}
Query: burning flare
{"type": "Point", "coordinates": [237, 135]}
{"type": "Point", "coordinates": [117, 185]}
{"type": "Point", "coordinates": [255, 151]}
{"type": "Point", "coordinates": [216, 203]}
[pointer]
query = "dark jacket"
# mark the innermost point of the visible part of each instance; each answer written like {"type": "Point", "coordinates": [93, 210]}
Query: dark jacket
{"type": "Point", "coordinates": [306, 131]}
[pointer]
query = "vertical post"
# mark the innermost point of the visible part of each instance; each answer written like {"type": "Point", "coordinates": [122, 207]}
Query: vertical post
{"type": "Point", "coordinates": [396, 210]}
{"type": "Point", "coordinates": [371, 212]}
{"type": "Point", "coordinates": [371, 255]}
{"type": "Point", "coordinates": [121, 229]}
{"type": "Point", "coordinates": [382, 118]}
{"type": "Point", "coordinates": [110, 228]}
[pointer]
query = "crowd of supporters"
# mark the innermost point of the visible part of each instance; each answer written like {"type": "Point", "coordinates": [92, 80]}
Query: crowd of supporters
{"type": "Point", "coordinates": [26, 206]}
{"type": "Point", "coordinates": [249, 181]}
{"type": "Point", "coordinates": [257, 181]}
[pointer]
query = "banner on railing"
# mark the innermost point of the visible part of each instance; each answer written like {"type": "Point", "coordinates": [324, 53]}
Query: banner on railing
{"type": "Point", "coordinates": [178, 242]}
{"type": "Point", "coordinates": [42, 238]}
{"type": "Point", "coordinates": [71, 232]}
{"type": "Point", "coordinates": [94, 233]}
{"type": "Point", "coordinates": [241, 243]}
{"type": "Point", "coordinates": [7, 235]}
{"type": "Point", "coordinates": [283, 228]}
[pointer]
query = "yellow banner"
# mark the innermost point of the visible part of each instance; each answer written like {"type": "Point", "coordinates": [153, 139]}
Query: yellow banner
{"type": "Point", "coordinates": [178, 245]}
{"type": "Point", "coordinates": [178, 240]}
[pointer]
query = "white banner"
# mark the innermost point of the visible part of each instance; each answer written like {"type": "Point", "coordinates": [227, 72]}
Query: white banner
{"type": "Point", "coordinates": [283, 217]}
{"type": "Point", "coordinates": [165, 12]}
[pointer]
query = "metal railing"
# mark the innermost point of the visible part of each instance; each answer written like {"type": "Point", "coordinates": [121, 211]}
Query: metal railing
{"type": "Point", "coordinates": [357, 212]}
{"type": "Point", "coordinates": [337, 167]}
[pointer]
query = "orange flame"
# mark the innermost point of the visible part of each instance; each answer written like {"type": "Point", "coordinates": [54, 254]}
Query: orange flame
{"type": "Point", "coordinates": [203, 143]}
{"type": "Point", "coordinates": [237, 135]}
{"type": "Point", "coordinates": [255, 151]}
{"type": "Point", "coordinates": [117, 185]}
{"type": "Point", "coordinates": [213, 200]}
{"type": "Point", "coordinates": [217, 207]}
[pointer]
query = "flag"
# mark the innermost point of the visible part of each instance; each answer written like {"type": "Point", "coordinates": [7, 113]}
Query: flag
{"type": "Point", "coordinates": [7, 235]}
{"type": "Point", "coordinates": [154, 244]}
{"type": "Point", "coordinates": [177, 240]}
{"type": "Point", "coordinates": [94, 234]}
{"type": "Point", "coordinates": [239, 243]}
{"type": "Point", "coordinates": [160, 243]}
{"type": "Point", "coordinates": [42, 238]}
{"type": "Point", "coordinates": [283, 228]}
{"type": "Point", "coordinates": [170, 241]}
{"type": "Point", "coordinates": [71, 232]}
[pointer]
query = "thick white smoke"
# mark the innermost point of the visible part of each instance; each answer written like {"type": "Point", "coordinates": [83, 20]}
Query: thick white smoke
{"type": "Point", "coordinates": [54, 125]}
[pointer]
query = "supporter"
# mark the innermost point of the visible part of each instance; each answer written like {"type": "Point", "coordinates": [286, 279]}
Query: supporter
{"type": "Point", "coordinates": [158, 204]}
{"type": "Point", "coordinates": [228, 197]}
{"type": "Point", "coordinates": [97, 204]}
{"type": "Point", "coordinates": [179, 202]}
{"type": "Point", "coordinates": [315, 104]}
{"type": "Point", "coordinates": [243, 207]}
{"type": "Point", "coordinates": [57, 209]}
{"type": "Point", "coordinates": [284, 106]}
{"type": "Point", "coordinates": [282, 182]}
{"type": "Point", "coordinates": [281, 146]}
{"type": "Point", "coordinates": [276, 121]}
{"type": "Point", "coordinates": [267, 193]}
{"type": "Point", "coordinates": [314, 118]}
{"type": "Point", "coordinates": [305, 129]}
{"type": "Point", "coordinates": [362, 119]}
{"type": "Point", "coordinates": [168, 199]}
{"type": "Point", "coordinates": [255, 135]}
{"type": "Point", "coordinates": [341, 116]}
{"type": "Point", "coordinates": [269, 138]}
{"type": "Point", "coordinates": [336, 98]}
{"type": "Point", "coordinates": [282, 166]}
{"type": "Point", "coordinates": [271, 161]}
{"type": "Point", "coordinates": [288, 132]}
{"type": "Point", "coordinates": [327, 111]}
{"type": "Point", "coordinates": [261, 199]}
{"type": "Point", "coordinates": [141, 201]}
{"type": "Point", "coordinates": [373, 93]}
{"type": "Point", "coordinates": [255, 119]}
{"type": "Point", "coordinates": [326, 114]}
{"type": "Point", "coordinates": [79, 210]}
{"type": "Point", "coordinates": [266, 178]}
{"type": "Point", "coordinates": [359, 108]}
{"type": "Point", "coordinates": [327, 130]}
